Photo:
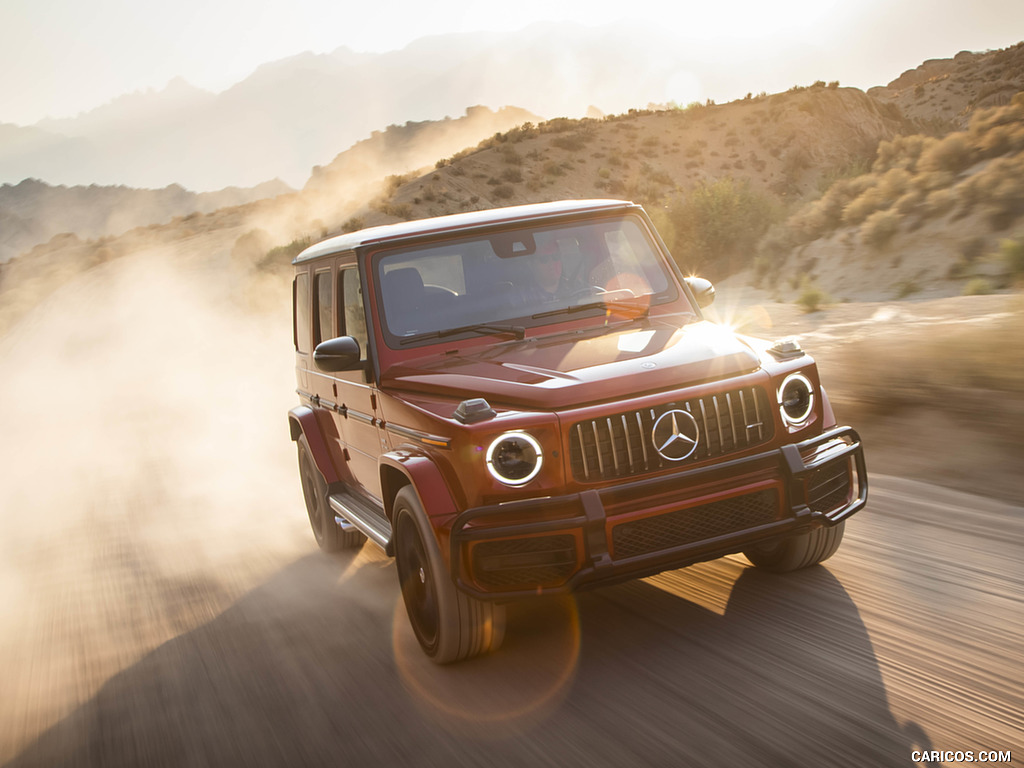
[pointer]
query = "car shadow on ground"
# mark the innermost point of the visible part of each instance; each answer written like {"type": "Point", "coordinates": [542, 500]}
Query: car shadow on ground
{"type": "Point", "coordinates": [718, 664]}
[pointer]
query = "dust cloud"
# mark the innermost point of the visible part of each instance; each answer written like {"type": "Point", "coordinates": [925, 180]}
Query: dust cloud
{"type": "Point", "coordinates": [148, 477]}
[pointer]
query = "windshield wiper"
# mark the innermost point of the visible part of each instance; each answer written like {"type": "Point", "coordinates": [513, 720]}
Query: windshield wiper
{"type": "Point", "coordinates": [516, 330]}
{"type": "Point", "coordinates": [626, 305]}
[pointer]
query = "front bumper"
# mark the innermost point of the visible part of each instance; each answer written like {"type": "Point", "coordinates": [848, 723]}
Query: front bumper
{"type": "Point", "coordinates": [643, 527]}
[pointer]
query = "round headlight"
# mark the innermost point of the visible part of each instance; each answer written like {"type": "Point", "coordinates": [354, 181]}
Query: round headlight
{"type": "Point", "coordinates": [796, 399]}
{"type": "Point", "coordinates": [514, 458]}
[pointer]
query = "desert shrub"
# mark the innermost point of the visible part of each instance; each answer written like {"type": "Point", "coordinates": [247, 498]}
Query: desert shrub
{"type": "Point", "coordinates": [977, 286]}
{"type": "Point", "coordinates": [1011, 253]}
{"type": "Point", "coordinates": [353, 224]}
{"type": "Point", "coordinates": [907, 288]}
{"type": "Point", "coordinates": [870, 201]}
{"type": "Point", "coordinates": [510, 156]}
{"type": "Point", "coordinates": [571, 142]}
{"type": "Point", "coordinates": [512, 175]}
{"type": "Point", "coordinates": [398, 210]}
{"type": "Point", "coordinates": [393, 182]}
{"type": "Point", "coordinates": [717, 225]}
{"type": "Point", "coordinates": [811, 296]}
{"type": "Point", "coordinates": [959, 269]}
{"type": "Point", "coordinates": [894, 183]}
{"type": "Point", "coordinates": [911, 202]}
{"type": "Point", "coordinates": [283, 254]}
{"type": "Point", "coordinates": [551, 168]}
{"type": "Point", "coordinates": [999, 187]}
{"type": "Point", "coordinates": [812, 221]}
{"type": "Point", "coordinates": [931, 180]}
{"type": "Point", "coordinates": [503, 192]}
{"type": "Point", "coordinates": [901, 152]}
{"type": "Point", "coordinates": [952, 154]}
{"type": "Point", "coordinates": [999, 130]}
{"type": "Point", "coordinates": [831, 175]}
{"type": "Point", "coordinates": [939, 203]}
{"type": "Point", "coordinates": [879, 228]}
{"type": "Point", "coordinates": [658, 176]}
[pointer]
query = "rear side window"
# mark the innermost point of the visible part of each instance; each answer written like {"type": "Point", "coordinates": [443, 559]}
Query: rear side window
{"type": "Point", "coordinates": [324, 327]}
{"type": "Point", "coordinates": [301, 318]}
{"type": "Point", "coordinates": [354, 321]}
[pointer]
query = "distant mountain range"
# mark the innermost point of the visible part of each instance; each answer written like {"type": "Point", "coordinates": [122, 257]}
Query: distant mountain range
{"type": "Point", "coordinates": [293, 114]}
{"type": "Point", "coordinates": [32, 211]}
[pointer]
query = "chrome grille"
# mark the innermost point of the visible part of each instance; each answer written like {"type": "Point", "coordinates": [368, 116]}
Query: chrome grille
{"type": "Point", "coordinates": [620, 445]}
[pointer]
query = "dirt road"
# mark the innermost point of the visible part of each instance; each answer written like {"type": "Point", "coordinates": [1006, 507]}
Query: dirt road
{"type": "Point", "coordinates": [909, 638]}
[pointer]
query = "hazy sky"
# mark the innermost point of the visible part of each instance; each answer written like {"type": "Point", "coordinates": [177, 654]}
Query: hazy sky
{"type": "Point", "coordinates": [60, 57]}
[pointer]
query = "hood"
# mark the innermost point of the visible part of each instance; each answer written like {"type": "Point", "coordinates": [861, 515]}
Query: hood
{"type": "Point", "coordinates": [567, 370]}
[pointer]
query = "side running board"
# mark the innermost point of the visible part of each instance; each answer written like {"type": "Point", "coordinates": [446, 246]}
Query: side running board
{"type": "Point", "coordinates": [353, 510]}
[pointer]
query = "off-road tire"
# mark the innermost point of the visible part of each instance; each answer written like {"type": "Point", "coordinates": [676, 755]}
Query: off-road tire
{"type": "Point", "coordinates": [795, 552]}
{"type": "Point", "coordinates": [328, 535]}
{"type": "Point", "coordinates": [449, 625]}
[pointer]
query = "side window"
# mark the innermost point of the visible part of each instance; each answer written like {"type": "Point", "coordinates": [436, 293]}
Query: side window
{"type": "Point", "coordinates": [300, 315]}
{"type": "Point", "coordinates": [354, 317]}
{"type": "Point", "coordinates": [324, 326]}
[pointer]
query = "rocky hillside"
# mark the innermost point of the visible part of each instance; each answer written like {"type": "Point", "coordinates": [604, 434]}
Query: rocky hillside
{"type": "Point", "coordinates": [815, 187]}
{"type": "Point", "coordinates": [758, 156]}
{"type": "Point", "coordinates": [931, 216]}
{"type": "Point", "coordinates": [942, 94]}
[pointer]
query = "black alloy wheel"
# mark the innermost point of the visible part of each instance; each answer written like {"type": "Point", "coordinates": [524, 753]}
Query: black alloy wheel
{"type": "Point", "coordinates": [417, 583]}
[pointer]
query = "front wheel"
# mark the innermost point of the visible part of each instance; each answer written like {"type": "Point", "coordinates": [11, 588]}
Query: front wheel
{"type": "Point", "coordinates": [795, 552]}
{"type": "Point", "coordinates": [449, 625]}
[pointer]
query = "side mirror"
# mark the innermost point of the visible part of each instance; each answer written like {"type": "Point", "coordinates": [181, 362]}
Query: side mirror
{"type": "Point", "coordinates": [703, 291]}
{"type": "Point", "coordinates": [340, 354]}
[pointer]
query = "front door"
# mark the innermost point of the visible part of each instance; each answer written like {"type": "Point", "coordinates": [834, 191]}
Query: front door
{"type": "Point", "coordinates": [354, 391]}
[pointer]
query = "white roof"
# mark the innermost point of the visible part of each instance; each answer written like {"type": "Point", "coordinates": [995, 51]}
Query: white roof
{"type": "Point", "coordinates": [454, 222]}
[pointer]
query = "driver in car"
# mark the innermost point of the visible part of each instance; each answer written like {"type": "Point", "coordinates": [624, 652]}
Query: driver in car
{"type": "Point", "coordinates": [548, 281]}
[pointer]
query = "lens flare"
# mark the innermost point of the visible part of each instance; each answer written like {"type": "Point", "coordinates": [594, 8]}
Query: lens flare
{"type": "Point", "coordinates": [521, 682]}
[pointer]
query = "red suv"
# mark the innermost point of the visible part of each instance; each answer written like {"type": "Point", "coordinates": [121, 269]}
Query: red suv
{"type": "Point", "coordinates": [529, 400]}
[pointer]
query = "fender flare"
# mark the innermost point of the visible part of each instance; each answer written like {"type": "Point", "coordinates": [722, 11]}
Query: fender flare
{"type": "Point", "coordinates": [302, 421]}
{"type": "Point", "coordinates": [422, 472]}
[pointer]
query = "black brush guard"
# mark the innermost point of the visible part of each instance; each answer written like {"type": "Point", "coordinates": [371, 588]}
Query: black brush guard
{"type": "Point", "coordinates": [841, 444]}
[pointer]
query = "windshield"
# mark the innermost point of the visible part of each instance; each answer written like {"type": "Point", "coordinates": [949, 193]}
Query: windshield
{"type": "Point", "coordinates": [518, 279]}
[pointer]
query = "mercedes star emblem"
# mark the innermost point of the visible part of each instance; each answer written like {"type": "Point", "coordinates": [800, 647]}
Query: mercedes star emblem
{"type": "Point", "coordinates": [675, 435]}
